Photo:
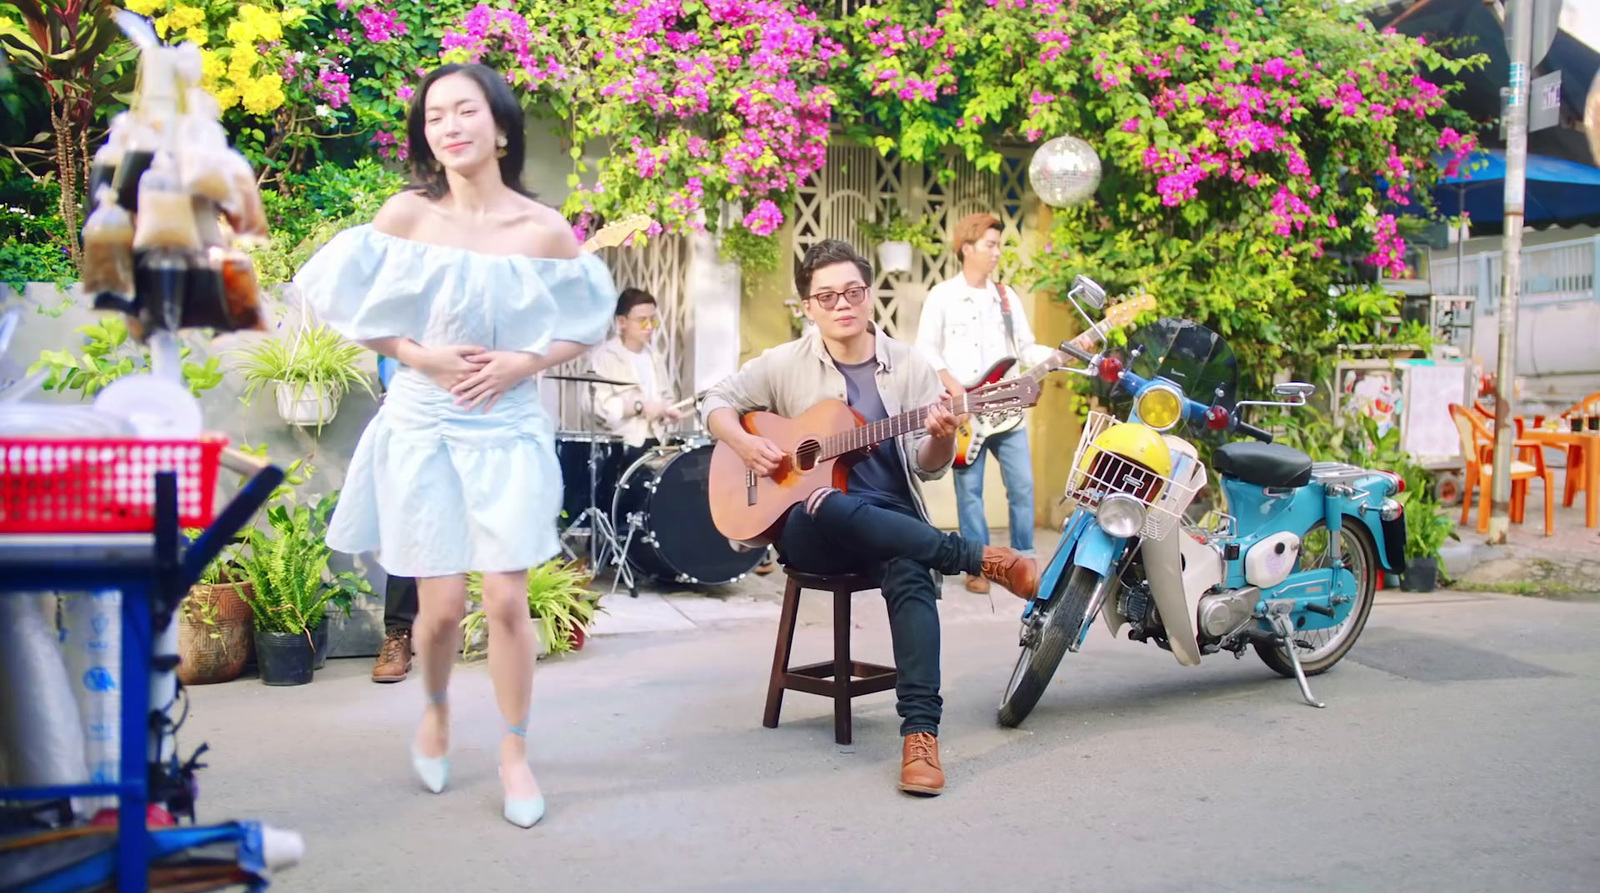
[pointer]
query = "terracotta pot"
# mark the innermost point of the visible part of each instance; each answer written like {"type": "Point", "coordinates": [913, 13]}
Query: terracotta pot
{"type": "Point", "coordinates": [205, 658]}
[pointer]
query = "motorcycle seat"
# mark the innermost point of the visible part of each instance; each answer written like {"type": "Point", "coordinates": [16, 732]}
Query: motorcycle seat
{"type": "Point", "coordinates": [1263, 464]}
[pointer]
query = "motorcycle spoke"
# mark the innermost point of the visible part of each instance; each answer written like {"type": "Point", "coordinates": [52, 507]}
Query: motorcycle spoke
{"type": "Point", "coordinates": [1313, 645]}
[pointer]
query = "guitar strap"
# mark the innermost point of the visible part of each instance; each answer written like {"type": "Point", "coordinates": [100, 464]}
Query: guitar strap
{"type": "Point", "coordinates": [1005, 313]}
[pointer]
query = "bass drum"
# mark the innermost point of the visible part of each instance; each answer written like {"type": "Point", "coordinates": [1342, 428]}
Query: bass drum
{"type": "Point", "coordinates": [674, 539]}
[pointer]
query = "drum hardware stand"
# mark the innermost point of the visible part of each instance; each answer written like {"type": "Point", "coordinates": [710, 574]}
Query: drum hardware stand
{"type": "Point", "coordinates": [601, 535]}
{"type": "Point", "coordinates": [624, 570]}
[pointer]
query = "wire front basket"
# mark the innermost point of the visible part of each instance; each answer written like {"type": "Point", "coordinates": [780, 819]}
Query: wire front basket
{"type": "Point", "coordinates": [1097, 474]}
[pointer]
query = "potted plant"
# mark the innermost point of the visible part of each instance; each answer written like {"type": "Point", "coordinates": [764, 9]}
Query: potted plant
{"type": "Point", "coordinates": [559, 598]}
{"type": "Point", "coordinates": [1427, 528]}
{"type": "Point", "coordinates": [215, 628]}
{"type": "Point", "coordinates": [309, 373]}
{"type": "Point", "coordinates": [291, 587]}
{"type": "Point", "coordinates": [897, 236]}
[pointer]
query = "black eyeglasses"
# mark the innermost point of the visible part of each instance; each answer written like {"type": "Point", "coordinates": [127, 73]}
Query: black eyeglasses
{"type": "Point", "coordinates": [827, 299]}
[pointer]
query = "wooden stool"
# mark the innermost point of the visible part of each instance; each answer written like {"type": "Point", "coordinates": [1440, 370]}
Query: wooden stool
{"type": "Point", "coordinates": [840, 678]}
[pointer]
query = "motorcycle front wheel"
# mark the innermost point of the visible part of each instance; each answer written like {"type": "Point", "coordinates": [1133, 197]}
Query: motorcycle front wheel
{"type": "Point", "coordinates": [1045, 644]}
{"type": "Point", "coordinates": [1326, 647]}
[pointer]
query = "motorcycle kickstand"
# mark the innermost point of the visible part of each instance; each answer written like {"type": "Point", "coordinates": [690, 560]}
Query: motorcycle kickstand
{"type": "Point", "coordinates": [1280, 623]}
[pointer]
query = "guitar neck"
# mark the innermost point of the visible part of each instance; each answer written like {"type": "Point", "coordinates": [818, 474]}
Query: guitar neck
{"type": "Point", "coordinates": [861, 437]}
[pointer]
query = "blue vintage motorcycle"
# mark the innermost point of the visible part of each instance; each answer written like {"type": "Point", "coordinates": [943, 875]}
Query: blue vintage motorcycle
{"type": "Point", "coordinates": [1287, 561]}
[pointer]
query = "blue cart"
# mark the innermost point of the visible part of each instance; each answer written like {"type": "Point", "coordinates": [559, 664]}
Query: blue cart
{"type": "Point", "coordinates": [152, 570]}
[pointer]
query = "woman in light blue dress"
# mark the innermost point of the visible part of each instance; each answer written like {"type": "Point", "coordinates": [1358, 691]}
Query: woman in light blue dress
{"type": "Point", "coordinates": [473, 287]}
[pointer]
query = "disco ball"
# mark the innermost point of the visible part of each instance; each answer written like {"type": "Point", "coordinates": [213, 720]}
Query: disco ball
{"type": "Point", "coordinates": [1064, 172]}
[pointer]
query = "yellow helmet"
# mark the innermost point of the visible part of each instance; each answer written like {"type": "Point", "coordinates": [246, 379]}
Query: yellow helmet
{"type": "Point", "coordinates": [1134, 442]}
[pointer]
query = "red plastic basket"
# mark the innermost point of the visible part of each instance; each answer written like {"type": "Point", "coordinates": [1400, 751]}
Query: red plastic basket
{"type": "Point", "coordinates": [102, 485]}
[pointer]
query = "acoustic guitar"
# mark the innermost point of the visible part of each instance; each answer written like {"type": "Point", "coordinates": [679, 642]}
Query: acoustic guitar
{"type": "Point", "coordinates": [972, 433]}
{"type": "Point", "coordinates": [820, 447]}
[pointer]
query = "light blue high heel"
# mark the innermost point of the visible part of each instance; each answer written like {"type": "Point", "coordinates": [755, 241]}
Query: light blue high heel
{"type": "Point", "coordinates": [434, 771]}
{"type": "Point", "coordinates": [524, 812]}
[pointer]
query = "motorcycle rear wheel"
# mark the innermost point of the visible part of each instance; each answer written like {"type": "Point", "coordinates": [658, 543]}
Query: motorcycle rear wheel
{"type": "Point", "coordinates": [1062, 621]}
{"type": "Point", "coordinates": [1361, 557]}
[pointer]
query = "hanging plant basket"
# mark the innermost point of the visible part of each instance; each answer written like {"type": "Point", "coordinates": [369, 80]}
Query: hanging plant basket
{"type": "Point", "coordinates": [215, 632]}
{"type": "Point", "coordinates": [306, 405]}
{"type": "Point", "coordinates": [894, 257]}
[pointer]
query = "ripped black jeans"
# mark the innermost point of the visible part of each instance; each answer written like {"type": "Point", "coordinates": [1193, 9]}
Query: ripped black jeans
{"type": "Point", "coordinates": [850, 536]}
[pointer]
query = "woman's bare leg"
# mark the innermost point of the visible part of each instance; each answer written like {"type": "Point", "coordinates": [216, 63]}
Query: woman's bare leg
{"type": "Point", "coordinates": [436, 633]}
{"type": "Point", "coordinates": [511, 658]}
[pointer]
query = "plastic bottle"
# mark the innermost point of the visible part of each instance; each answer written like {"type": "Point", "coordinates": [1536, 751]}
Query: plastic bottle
{"type": "Point", "coordinates": [92, 645]}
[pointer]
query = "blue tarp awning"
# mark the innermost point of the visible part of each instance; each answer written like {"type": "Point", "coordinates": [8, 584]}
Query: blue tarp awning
{"type": "Point", "coordinates": [1557, 190]}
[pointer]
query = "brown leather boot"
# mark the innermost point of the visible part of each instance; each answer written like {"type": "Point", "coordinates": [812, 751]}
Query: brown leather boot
{"type": "Point", "coordinates": [977, 584]}
{"type": "Point", "coordinates": [394, 658]}
{"type": "Point", "coordinates": [1011, 569]}
{"type": "Point", "coordinates": [920, 772]}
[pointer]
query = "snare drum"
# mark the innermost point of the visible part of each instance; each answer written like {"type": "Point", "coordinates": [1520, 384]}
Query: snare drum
{"type": "Point", "coordinates": [666, 493]}
{"type": "Point", "coordinates": [588, 459]}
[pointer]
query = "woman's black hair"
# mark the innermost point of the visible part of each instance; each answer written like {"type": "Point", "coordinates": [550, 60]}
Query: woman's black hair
{"type": "Point", "coordinates": [427, 176]}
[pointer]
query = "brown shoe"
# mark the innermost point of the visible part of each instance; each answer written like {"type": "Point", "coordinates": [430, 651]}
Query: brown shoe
{"type": "Point", "coordinates": [977, 584]}
{"type": "Point", "coordinates": [1011, 569]}
{"type": "Point", "coordinates": [394, 658]}
{"type": "Point", "coordinates": [920, 772]}
{"type": "Point", "coordinates": [766, 567]}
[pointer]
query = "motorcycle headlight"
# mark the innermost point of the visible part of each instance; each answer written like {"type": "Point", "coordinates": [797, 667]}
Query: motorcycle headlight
{"type": "Point", "coordinates": [1121, 515]}
{"type": "Point", "coordinates": [1160, 407]}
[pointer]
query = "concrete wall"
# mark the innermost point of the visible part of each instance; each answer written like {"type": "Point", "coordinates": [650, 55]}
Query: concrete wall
{"type": "Point", "coordinates": [328, 450]}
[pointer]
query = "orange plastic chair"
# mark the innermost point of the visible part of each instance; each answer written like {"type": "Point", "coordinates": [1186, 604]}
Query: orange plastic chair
{"type": "Point", "coordinates": [1575, 454]}
{"type": "Point", "coordinates": [1477, 454]}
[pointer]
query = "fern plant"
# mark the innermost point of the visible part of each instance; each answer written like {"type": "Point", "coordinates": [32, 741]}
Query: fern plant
{"type": "Point", "coordinates": [288, 567]}
{"type": "Point", "coordinates": [558, 598]}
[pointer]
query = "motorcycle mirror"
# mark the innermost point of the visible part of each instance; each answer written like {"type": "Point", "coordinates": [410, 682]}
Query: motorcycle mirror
{"type": "Point", "coordinates": [1297, 390]}
{"type": "Point", "coordinates": [1091, 291]}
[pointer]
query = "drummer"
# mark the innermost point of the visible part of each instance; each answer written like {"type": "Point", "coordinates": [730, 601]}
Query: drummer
{"type": "Point", "coordinates": [641, 412]}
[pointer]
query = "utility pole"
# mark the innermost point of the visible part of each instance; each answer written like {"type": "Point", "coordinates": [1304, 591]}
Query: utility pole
{"type": "Point", "coordinates": [1511, 266]}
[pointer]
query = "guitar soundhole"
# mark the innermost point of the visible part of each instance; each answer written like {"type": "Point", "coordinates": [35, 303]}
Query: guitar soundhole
{"type": "Point", "coordinates": [806, 455]}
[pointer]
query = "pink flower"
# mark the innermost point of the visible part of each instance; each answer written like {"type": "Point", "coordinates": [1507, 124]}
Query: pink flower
{"type": "Point", "coordinates": [380, 26]}
{"type": "Point", "coordinates": [765, 219]}
{"type": "Point", "coordinates": [1130, 126]}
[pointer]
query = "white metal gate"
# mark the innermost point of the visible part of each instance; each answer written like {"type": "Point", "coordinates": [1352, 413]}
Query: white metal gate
{"type": "Point", "coordinates": [858, 182]}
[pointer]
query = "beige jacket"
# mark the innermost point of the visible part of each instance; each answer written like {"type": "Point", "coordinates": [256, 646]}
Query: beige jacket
{"type": "Point", "coordinates": [613, 405]}
{"type": "Point", "coordinates": [791, 378]}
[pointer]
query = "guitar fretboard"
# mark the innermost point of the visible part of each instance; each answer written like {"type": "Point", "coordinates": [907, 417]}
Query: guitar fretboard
{"type": "Point", "coordinates": [873, 432]}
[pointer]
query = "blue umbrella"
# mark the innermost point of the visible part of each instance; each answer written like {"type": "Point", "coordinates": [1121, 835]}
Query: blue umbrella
{"type": "Point", "coordinates": [1556, 189]}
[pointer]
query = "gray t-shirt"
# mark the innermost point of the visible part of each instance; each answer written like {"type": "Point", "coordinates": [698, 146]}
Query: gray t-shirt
{"type": "Point", "coordinates": [879, 478]}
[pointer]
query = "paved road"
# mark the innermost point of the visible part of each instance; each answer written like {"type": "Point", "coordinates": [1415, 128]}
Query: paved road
{"type": "Point", "coordinates": [1458, 753]}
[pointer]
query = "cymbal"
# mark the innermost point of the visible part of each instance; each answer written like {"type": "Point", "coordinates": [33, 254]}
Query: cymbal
{"type": "Point", "coordinates": [592, 379]}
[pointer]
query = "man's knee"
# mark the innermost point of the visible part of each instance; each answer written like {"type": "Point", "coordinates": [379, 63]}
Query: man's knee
{"type": "Point", "coordinates": [905, 580]}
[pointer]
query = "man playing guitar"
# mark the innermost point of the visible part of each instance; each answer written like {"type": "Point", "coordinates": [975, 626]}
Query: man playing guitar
{"type": "Point", "coordinates": [968, 324]}
{"type": "Point", "coordinates": [881, 523]}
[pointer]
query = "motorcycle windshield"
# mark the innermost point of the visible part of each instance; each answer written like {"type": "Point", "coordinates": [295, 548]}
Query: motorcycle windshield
{"type": "Point", "coordinates": [1189, 355]}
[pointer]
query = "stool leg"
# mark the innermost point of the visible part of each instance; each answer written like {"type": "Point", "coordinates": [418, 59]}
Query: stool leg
{"type": "Point", "coordinates": [841, 666]}
{"type": "Point", "coordinates": [780, 655]}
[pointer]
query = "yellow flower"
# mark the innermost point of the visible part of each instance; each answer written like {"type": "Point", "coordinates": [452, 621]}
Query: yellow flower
{"type": "Point", "coordinates": [212, 65]}
{"type": "Point", "coordinates": [263, 95]}
{"type": "Point", "coordinates": [242, 62]}
{"type": "Point", "coordinates": [183, 16]}
{"type": "Point", "coordinates": [254, 25]}
{"type": "Point", "coordinates": [145, 7]}
{"type": "Point", "coordinates": [198, 35]}
{"type": "Point", "coordinates": [227, 97]}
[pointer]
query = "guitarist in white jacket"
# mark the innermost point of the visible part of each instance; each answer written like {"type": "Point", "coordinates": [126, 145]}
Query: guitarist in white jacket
{"type": "Point", "coordinates": [968, 324]}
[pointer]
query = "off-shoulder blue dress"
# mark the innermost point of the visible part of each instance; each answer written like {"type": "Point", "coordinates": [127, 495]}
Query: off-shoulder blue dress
{"type": "Point", "coordinates": [434, 489]}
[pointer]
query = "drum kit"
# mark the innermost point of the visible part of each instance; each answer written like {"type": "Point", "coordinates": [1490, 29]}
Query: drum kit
{"type": "Point", "coordinates": [643, 510]}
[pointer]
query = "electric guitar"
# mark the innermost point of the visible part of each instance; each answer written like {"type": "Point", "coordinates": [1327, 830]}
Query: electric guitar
{"type": "Point", "coordinates": [820, 447]}
{"type": "Point", "coordinates": [613, 234]}
{"type": "Point", "coordinates": [972, 433]}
